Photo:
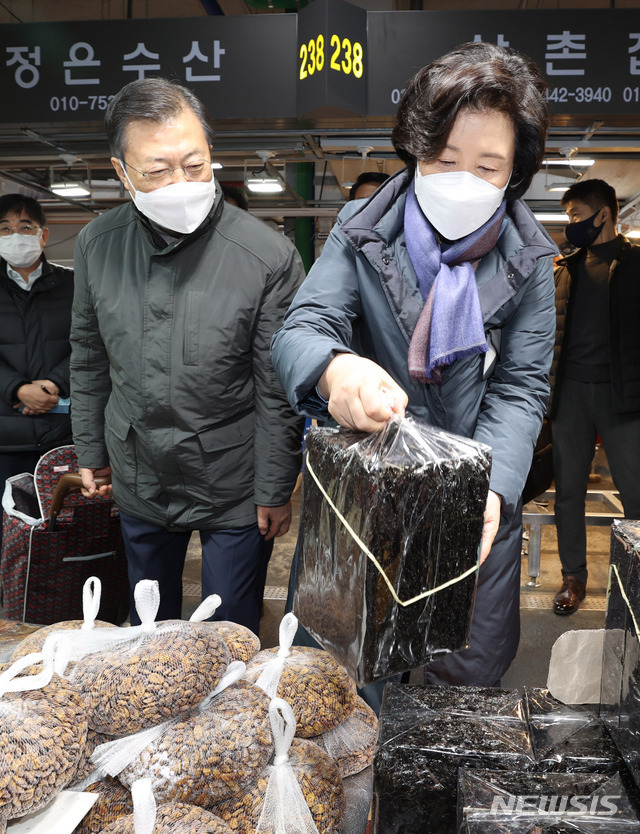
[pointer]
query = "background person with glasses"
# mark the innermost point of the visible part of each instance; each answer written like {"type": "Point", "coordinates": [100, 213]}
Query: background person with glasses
{"type": "Point", "coordinates": [177, 297]}
{"type": "Point", "coordinates": [35, 319]}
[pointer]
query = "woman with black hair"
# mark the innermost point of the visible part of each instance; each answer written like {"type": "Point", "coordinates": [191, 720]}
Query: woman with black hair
{"type": "Point", "coordinates": [437, 297]}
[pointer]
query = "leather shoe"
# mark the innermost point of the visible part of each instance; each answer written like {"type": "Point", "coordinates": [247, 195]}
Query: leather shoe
{"type": "Point", "coordinates": [569, 597]}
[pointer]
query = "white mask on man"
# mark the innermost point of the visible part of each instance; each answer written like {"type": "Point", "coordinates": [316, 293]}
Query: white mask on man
{"type": "Point", "coordinates": [456, 203]}
{"type": "Point", "coordinates": [179, 207]}
{"type": "Point", "coordinates": [21, 251]}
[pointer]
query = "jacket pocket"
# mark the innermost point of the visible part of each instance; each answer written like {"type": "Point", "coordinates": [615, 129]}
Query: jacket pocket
{"type": "Point", "coordinates": [227, 461]}
{"type": "Point", "coordinates": [120, 439]}
{"type": "Point", "coordinates": [191, 345]}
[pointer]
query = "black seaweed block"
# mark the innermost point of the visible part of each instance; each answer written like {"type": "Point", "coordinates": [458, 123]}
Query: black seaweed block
{"type": "Point", "coordinates": [569, 739]}
{"type": "Point", "coordinates": [543, 803]}
{"type": "Point", "coordinates": [424, 735]}
{"type": "Point", "coordinates": [415, 497]}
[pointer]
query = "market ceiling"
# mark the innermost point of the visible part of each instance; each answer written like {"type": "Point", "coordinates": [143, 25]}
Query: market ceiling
{"type": "Point", "coordinates": [250, 62]}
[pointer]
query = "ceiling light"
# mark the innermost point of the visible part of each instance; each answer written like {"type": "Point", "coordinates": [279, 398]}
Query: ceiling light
{"type": "Point", "coordinates": [575, 162]}
{"type": "Point", "coordinates": [71, 189]}
{"type": "Point", "coordinates": [558, 186]}
{"type": "Point", "coordinates": [549, 217]}
{"type": "Point", "coordinates": [216, 166]}
{"type": "Point", "coordinates": [263, 184]}
{"type": "Point", "coordinates": [264, 180]}
{"type": "Point", "coordinates": [634, 234]}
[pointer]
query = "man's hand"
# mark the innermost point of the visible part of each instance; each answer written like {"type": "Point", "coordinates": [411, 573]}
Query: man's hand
{"type": "Point", "coordinates": [361, 394]}
{"type": "Point", "coordinates": [37, 397]}
{"type": "Point", "coordinates": [491, 523]}
{"type": "Point", "coordinates": [89, 487]}
{"type": "Point", "coordinates": [274, 521]}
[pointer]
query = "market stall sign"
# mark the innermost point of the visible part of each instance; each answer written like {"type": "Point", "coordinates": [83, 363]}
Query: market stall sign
{"type": "Point", "coordinates": [332, 54]}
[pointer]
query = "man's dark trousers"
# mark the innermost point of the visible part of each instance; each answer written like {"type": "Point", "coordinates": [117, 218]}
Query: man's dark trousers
{"type": "Point", "coordinates": [584, 410]}
{"type": "Point", "coordinates": [234, 566]}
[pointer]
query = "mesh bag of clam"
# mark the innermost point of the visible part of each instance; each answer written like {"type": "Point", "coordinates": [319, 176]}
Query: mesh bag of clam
{"type": "Point", "coordinates": [391, 526]}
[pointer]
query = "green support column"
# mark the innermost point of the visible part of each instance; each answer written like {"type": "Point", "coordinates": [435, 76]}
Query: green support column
{"type": "Point", "coordinates": [304, 235]}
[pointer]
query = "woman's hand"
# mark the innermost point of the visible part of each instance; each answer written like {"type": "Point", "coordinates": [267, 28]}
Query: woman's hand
{"type": "Point", "coordinates": [361, 394]}
{"type": "Point", "coordinates": [491, 523]}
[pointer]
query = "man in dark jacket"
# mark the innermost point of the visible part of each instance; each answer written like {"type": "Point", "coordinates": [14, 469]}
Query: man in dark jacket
{"type": "Point", "coordinates": [35, 317]}
{"type": "Point", "coordinates": [177, 297]}
{"type": "Point", "coordinates": [597, 372]}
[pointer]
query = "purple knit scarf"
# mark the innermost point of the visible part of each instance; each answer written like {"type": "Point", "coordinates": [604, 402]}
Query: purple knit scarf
{"type": "Point", "coordinates": [450, 325]}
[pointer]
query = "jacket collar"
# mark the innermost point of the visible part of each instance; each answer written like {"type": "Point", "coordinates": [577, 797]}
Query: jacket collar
{"type": "Point", "coordinates": [572, 260]}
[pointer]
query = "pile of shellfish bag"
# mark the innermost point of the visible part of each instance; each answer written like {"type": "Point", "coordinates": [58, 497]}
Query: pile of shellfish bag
{"type": "Point", "coordinates": [413, 496]}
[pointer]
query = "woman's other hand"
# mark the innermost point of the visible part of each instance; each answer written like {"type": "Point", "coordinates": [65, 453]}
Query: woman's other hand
{"type": "Point", "coordinates": [491, 523]}
{"type": "Point", "coordinates": [361, 394]}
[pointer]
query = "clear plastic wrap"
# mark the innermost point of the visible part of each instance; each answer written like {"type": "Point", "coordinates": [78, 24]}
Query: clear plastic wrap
{"type": "Point", "coordinates": [391, 524]}
{"type": "Point", "coordinates": [164, 818]}
{"type": "Point", "coordinates": [543, 803]}
{"type": "Point", "coordinates": [300, 793]}
{"type": "Point", "coordinates": [91, 594]}
{"type": "Point", "coordinates": [141, 676]}
{"type": "Point", "coordinates": [43, 728]}
{"type": "Point", "coordinates": [569, 739]}
{"type": "Point", "coordinates": [113, 803]}
{"type": "Point", "coordinates": [351, 744]}
{"type": "Point", "coordinates": [620, 698]}
{"type": "Point", "coordinates": [319, 690]}
{"type": "Point", "coordinates": [425, 733]}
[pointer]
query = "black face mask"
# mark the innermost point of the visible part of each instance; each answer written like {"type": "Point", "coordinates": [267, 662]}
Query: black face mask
{"type": "Point", "coordinates": [583, 233]}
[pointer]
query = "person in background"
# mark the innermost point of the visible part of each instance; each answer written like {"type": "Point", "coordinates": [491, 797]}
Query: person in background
{"type": "Point", "coordinates": [366, 184]}
{"type": "Point", "coordinates": [35, 319]}
{"type": "Point", "coordinates": [236, 195]}
{"type": "Point", "coordinates": [364, 334]}
{"type": "Point", "coordinates": [597, 373]}
{"type": "Point", "coordinates": [177, 298]}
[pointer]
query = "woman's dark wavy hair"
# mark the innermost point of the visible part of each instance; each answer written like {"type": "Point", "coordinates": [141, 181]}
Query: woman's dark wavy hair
{"type": "Point", "coordinates": [152, 100]}
{"type": "Point", "coordinates": [477, 76]}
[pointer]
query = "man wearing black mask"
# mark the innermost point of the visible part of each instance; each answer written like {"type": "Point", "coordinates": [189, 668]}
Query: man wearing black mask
{"type": "Point", "coordinates": [597, 369]}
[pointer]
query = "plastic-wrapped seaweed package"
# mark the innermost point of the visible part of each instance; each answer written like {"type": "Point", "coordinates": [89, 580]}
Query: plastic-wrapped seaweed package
{"type": "Point", "coordinates": [569, 739]}
{"type": "Point", "coordinates": [425, 733]}
{"type": "Point", "coordinates": [491, 802]}
{"type": "Point", "coordinates": [391, 524]}
{"type": "Point", "coordinates": [620, 707]}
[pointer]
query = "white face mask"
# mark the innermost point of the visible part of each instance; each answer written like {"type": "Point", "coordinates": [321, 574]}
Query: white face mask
{"type": "Point", "coordinates": [21, 251]}
{"type": "Point", "coordinates": [456, 203]}
{"type": "Point", "coordinates": [179, 207]}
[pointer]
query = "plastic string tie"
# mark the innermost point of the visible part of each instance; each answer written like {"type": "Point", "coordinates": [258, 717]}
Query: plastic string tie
{"type": "Point", "coordinates": [614, 569]}
{"type": "Point", "coordinates": [373, 559]}
{"type": "Point", "coordinates": [91, 593]}
{"type": "Point", "coordinates": [206, 609]}
{"type": "Point", "coordinates": [144, 806]}
{"type": "Point", "coordinates": [270, 676]}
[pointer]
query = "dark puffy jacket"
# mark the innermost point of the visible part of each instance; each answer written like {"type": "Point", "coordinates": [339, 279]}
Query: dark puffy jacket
{"type": "Point", "coordinates": [34, 344]}
{"type": "Point", "coordinates": [624, 325]}
{"type": "Point", "coordinates": [362, 296]}
{"type": "Point", "coordinates": [172, 383]}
